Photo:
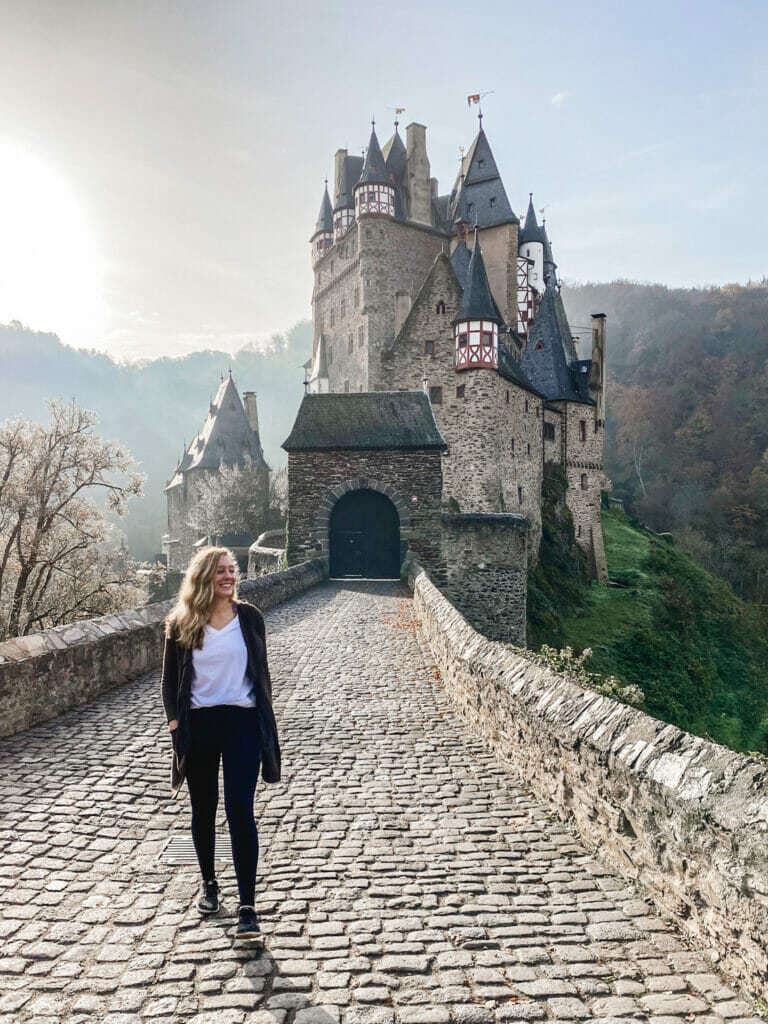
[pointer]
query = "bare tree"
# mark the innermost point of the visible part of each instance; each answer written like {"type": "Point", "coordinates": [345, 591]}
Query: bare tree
{"type": "Point", "coordinates": [55, 482]}
{"type": "Point", "coordinates": [233, 500]}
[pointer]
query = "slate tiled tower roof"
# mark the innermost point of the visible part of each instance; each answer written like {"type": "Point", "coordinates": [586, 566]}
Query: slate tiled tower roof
{"type": "Point", "coordinates": [485, 195]}
{"type": "Point", "coordinates": [550, 360]}
{"type": "Point", "coordinates": [375, 168]}
{"type": "Point", "coordinates": [324, 223]}
{"type": "Point", "coordinates": [477, 302]}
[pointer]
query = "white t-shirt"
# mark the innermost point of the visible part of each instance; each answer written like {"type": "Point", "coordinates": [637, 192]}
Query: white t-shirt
{"type": "Point", "coordinates": [221, 669]}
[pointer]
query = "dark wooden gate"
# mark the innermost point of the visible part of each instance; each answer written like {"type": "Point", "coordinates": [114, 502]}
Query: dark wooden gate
{"type": "Point", "coordinates": [365, 537]}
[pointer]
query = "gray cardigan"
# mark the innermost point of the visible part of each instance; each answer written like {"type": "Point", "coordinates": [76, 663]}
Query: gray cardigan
{"type": "Point", "coordinates": [176, 689]}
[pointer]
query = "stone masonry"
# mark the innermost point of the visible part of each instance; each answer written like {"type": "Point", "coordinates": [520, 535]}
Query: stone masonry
{"type": "Point", "coordinates": [408, 877]}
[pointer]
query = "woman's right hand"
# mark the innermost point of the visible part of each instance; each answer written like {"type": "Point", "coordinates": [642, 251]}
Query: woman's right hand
{"type": "Point", "coordinates": [173, 725]}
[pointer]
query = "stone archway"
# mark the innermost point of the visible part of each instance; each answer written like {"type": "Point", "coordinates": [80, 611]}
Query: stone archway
{"type": "Point", "coordinates": [364, 537]}
{"type": "Point", "coordinates": [321, 532]}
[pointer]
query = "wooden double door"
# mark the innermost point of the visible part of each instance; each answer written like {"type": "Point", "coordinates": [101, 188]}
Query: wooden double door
{"type": "Point", "coordinates": [364, 537]}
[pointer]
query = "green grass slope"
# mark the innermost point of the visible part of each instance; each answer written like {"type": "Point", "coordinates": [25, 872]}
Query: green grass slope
{"type": "Point", "coordinates": [699, 653]}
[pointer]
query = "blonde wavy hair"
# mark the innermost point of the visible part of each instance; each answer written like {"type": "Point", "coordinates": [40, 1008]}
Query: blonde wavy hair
{"type": "Point", "coordinates": [188, 618]}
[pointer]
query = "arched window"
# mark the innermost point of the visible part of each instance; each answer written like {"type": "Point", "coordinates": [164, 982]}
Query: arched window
{"type": "Point", "coordinates": [584, 481]}
{"type": "Point", "coordinates": [440, 307]}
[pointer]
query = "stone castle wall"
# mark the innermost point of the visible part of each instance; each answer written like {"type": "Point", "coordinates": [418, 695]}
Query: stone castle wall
{"type": "Point", "coordinates": [45, 674]}
{"type": "Point", "coordinates": [316, 480]}
{"type": "Point", "coordinates": [584, 470]}
{"type": "Point", "coordinates": [685, 818]}
{"type": "Point", "coordinates": [483, 571]}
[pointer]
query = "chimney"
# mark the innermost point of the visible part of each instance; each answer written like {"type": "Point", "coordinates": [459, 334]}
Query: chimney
{"type": "Point", "coordinates": [249, 401]}
{"type": "Point", "coordinates": [419, 184]}
{"type": "Point", "coordinates": [597, 370]}
{"type": "Point", "coordinates": [338, 160]}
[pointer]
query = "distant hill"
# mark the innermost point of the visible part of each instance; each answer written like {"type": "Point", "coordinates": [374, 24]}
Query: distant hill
{"type": "Point", "coordinates": [152, 407]}
{"type": "Point", "coordinates": [687, 426]}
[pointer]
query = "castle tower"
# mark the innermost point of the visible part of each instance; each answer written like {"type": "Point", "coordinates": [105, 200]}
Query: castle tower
{"type": "Point", "coordinates": [476, 327]}
{"type": "Point", "coordinates": [322, 239]}
{"type": "Point", "coordinates": [531, 245]}
{"type": "Point", "coordinates": [347, 170]}
{"type": "Point", "coordinates": [374, 192]}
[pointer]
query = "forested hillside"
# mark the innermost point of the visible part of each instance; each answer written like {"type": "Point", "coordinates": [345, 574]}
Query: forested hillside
{"type": "Point", "coordinates": [154, 406]}
{"type": "Point", "coordinates": [688, 416]}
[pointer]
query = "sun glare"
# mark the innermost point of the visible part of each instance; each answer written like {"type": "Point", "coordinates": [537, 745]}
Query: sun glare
{"type": "Point", "coordinates": [51, 269]}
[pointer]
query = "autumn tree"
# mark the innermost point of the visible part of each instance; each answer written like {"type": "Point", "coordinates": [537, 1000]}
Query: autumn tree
{"type": "Point", "coordinates": [57, 482]}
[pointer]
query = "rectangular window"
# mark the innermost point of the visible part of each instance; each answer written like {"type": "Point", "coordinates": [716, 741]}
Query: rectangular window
{"type": "Point", "coordinates": [512, 447]}
{"type": "Point", "coordinates": [519, 495]}
{"type": "Point", "coordinates": [333, 316]}
{"type": "Point", "coordinates": [578, 531]}
{"type": "Point", "coordinates": [360, 334]}
{"type": "Point", "coordinates": [529, 447]}
{"type": "Point", "coordinates": [526, 405]}
{"type": "Point", "coordinates": [436, 396]}
{"type": "Point", "coordinates": [584, 481]}
{"type": "Point", "coordinates": [549, 431]}
{"type": "Point", "coordinates": [346, 387]}
{"type": "Point", "coordinates": [462, 341]}
{"type": "Point", "coordinates": [582, 430]}
{"type": "Point", "coordinates": [537, 412]}
{"type": "Point", "coordinates": [343, 310]}
{"type": "Point", "coordinates": [507, 396]}
{"type": "Point", "coordinates": [487, 338]}
{"type": "Point", "coordinates": [351, 344]}
{"type": "Point", "coordinates": [357, 297]}
{"type": "Point", "coordinates": [429, 348]}
{"type": "Point", "coordinates": [460, 390]}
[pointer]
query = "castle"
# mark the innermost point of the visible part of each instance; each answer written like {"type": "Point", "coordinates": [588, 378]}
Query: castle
{"type": "Point", "coordinates": [449, 297]}
{"type": "Point", "coordinates": [229, 437]}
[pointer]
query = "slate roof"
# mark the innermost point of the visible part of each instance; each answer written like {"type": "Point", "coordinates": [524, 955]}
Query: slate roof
{"type": "Point", "coordinates": [485, 195]}
{"type": "Point", "coordinates": [549, 360]}
{"type": "Point", "coordinates": [325, 217]}
{"type": "Point", "coordinates": [460, 258]}
{"type": "Point", "coordinates": [531, 232]}
{"type": "Point", "coordinates": [511, 369]}
{"type": "Point", "coordinates": [367, 420]}
{"type": "Point", "coordinates": [550, 267]}
{"type": "Point", "coordinates": [477, 303]}
{"type": "Point", "coordinates": [396, 159]}
{"type": "Point", "coordinates": [375, 168]}
{"type": "Point", "coordinates": [350, 175]}
{"type": "Point", "coordinates": [461, 208]}
{"type": "Point", "coordinates": [226, 436]}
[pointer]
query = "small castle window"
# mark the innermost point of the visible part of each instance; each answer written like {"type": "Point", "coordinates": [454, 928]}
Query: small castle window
{"type": "Point", "coordinates": [436, 396]}
{"type": "Point", "coordinates": [469, 207]}
{"type": "Point", "coordinates": [507, 396]}
{"type": "Point", "coordinates": [462, 341]}
{"type": "Point", "coordinates": [538, 412]}
{"type": "Point", "coordinates": [357, 297]}
{"type": "Point", "coordinates": [333, 316]}
{"type": "Point", "coordinates": [528, 446]}
{"type": "Point", "coordinates": [351, 344]}
{"type": "Point", "coordinates": [429, 348]}
{"type": "Point", "coordinates": [539, 346]}
{"type": "Point", "coordinates": [512, 447]}
{"type": "Point", "coordinates": [519, 495]}
{"type": "Point", "coordinates": [460, 390]}
{"type": "Point", "coordinates": [360, 334]}
{"type": "Point", "coordinates": [584, 481]}
{"type": "Point", "coordinates": [487, 338]}
{"type": "Point", "coordinates": [372, 197]}
{"type": "Point", "coordinates": [343, 309]}
{"type": "Point", "coordinates": [549, 431]}
{"type": "Point", "coordinates": [346, 387]}
{"type": "Point", "coordinates": [582, 430]}
{"type": "Point", "coordinates": [578, 530]}
{"type": "Point", "coordinates": [481, 162]}
{"type": "Point", "coordinates": [440, 307]}
{"type": "Point", "coordinates": [526, 405]}
{"type": "Point", "coordinates": [492, 201]}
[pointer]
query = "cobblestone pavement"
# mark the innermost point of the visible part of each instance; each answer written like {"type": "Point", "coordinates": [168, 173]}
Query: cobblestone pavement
{"type": "Point", "coordinates": [407, 876]}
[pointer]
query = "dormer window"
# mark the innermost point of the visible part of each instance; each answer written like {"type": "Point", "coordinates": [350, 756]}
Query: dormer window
{"type": "Point", "coordinates": [492, 201]}
{"type": "Point", "coordinates": [481, 162]}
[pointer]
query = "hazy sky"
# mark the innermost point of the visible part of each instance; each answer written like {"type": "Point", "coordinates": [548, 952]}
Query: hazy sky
{"type": "Point", "coordinates": [162, 161]}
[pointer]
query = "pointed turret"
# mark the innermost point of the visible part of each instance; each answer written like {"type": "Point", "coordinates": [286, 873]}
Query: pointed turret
{"type": "Point", "coordinates": [549, 359]}
{"type": "Point", "coordinates": [462, 220]}
{"type": "Point", "coordinates": [550, 267]}
{"type": "Point", "coordinates": [530, 278]}
{"type": "Point", "coordinates": [531, 232]}
{"type": "Point", "coordinates": [374, 192]}
{"type": "Point", "coordinates": [476, 326]}
{"type": "Point", "coordinates": [322, 240]}
{"type": "Point", "coordinates": [486, 199]}
{"type": "Point", "coordinates": [396, 159]}
{"type": "Point", "coordinates": [348, 169]}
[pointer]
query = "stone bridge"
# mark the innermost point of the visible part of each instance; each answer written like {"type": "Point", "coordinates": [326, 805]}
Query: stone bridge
{"type": "Point", "coordinates": [409, 873]}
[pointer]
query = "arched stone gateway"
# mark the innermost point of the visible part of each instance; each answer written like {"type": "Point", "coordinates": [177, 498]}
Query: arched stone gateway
{"type": "Point", "coordinates": [364, 536]}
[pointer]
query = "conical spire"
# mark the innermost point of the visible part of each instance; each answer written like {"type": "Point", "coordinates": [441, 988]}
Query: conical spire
{"type": "Point", "coordinates": [531, 231]}
{"type": "Point", "coordinates": [374, 168]}
{"type": "Point", "coordinates": [324, 224]}
{"type": "Point", "coordinates": [550, 267]}
{"type": "Point", "coordinates": [485, 194]}
{"type": "Point", "coordinates": [396, 158]}
{"type": "Point", "coordinates": [477, 302]}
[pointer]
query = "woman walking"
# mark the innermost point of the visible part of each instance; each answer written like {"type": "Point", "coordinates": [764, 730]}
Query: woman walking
{"type": "Point", "coordinates": [217, 696]}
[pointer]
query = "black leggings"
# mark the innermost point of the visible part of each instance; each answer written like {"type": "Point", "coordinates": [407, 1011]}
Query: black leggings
{"type": "Point", "coordinates": [228, 734]}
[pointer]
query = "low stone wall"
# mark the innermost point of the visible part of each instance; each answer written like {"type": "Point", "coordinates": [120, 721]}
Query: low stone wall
{"type": "Point", "coordinates": [45, 674]}
{"type": "Point", "coordinates": [685, 818]}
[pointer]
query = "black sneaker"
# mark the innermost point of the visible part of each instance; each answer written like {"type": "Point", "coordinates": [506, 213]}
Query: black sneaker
{"type": "Point", "coordinates": [248, 926]}
{"type": "Point", "coordinates": [209, 898]}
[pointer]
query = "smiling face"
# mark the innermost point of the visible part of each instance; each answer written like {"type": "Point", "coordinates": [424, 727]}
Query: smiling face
{"type": "Point", "coordinates": [225, 578]}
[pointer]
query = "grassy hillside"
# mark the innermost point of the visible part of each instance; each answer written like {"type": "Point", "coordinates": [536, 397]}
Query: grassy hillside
{"type": "Point", "coordinates": [699, 653]}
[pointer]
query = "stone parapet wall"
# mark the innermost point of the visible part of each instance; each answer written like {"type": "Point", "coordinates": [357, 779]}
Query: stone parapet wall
{"type": "Point", "coordinates": [266, 554]}
{"type": "Point", "coordinates": [685, 818]}
{"type": "Point", "coordinates": [45, 674]}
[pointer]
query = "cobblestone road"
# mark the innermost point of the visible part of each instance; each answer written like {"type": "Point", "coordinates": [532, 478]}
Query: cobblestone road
{"type": "Point", "coordinates": [406, 875]}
